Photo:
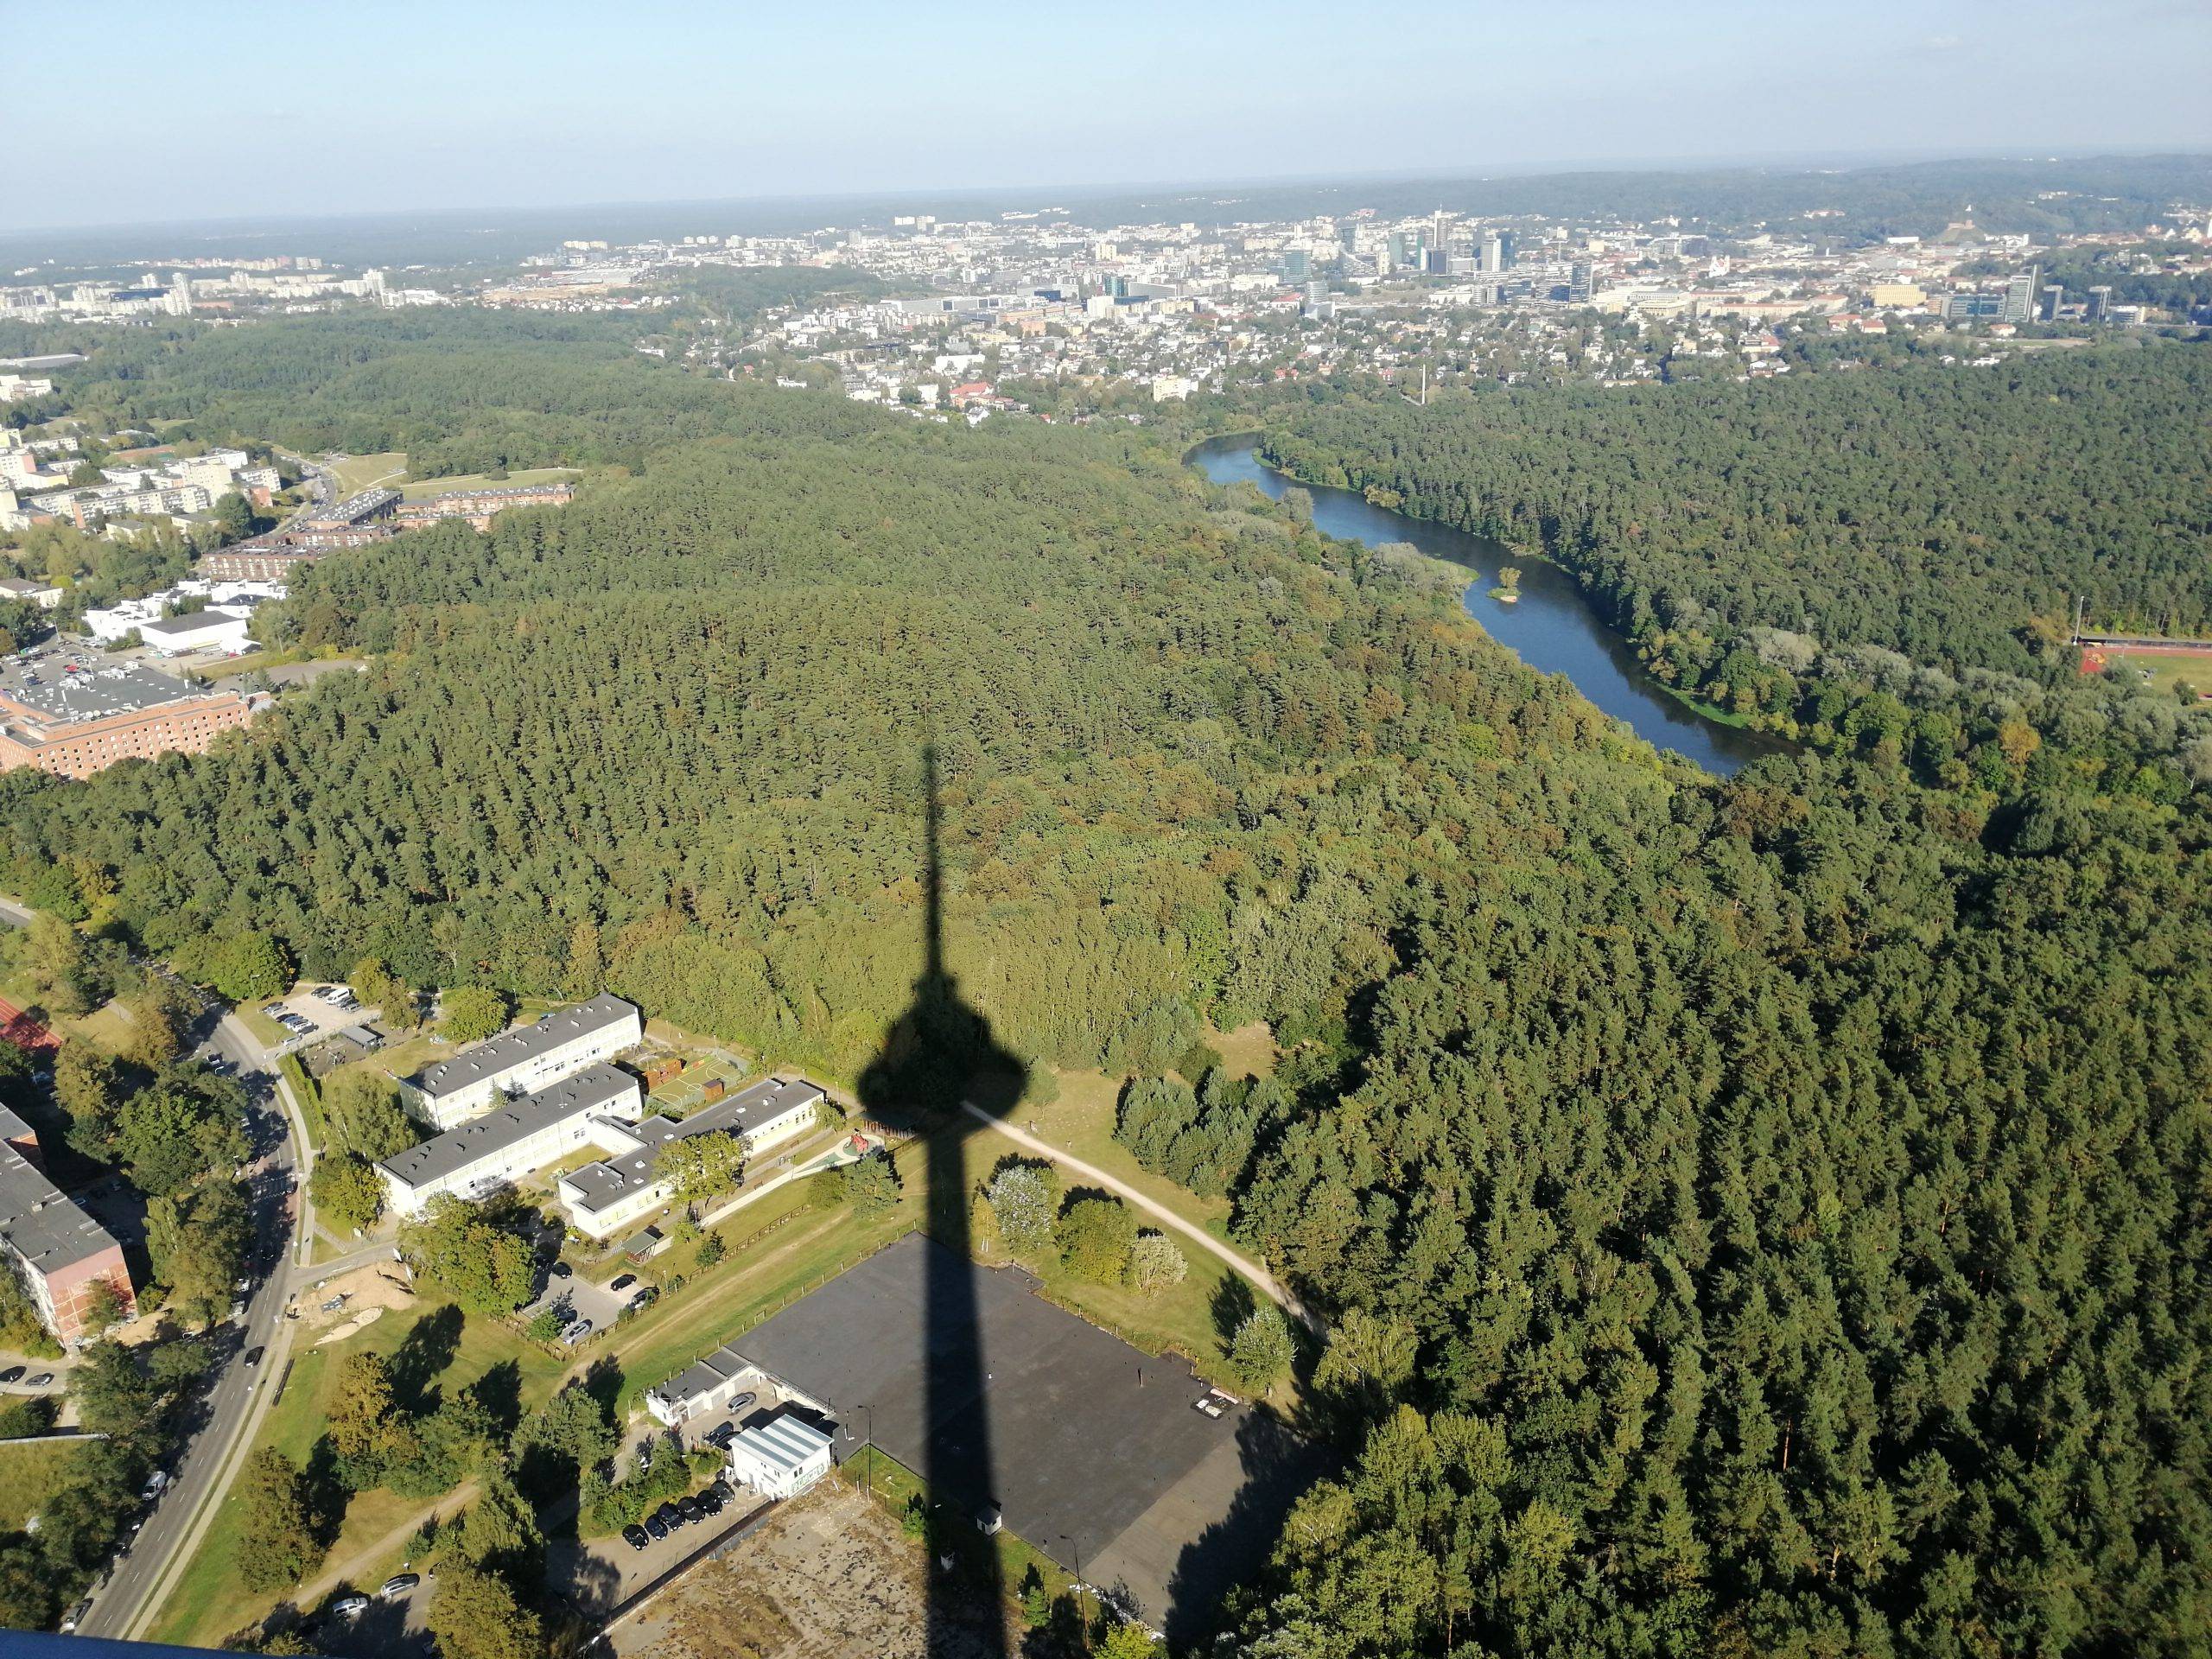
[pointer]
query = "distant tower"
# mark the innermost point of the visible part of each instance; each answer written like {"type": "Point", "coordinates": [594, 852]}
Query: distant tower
{"type": "Point", "coordinates": [1578, 283]}
{"type": "Point", "coordinates": [2099, 309]}
{"type": "Point", "coordinates": [180, 294]}
{"type": "Point", "coordinates": [1494, 252]}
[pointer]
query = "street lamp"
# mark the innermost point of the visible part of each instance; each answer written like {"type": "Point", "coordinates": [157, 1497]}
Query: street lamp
{"type": "Point", "coordinates": [1083, 1605]}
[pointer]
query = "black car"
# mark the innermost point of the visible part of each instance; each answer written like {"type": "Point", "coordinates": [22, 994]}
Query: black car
{"type": "Point", "coordinates": [561, 1270]}
{"type": "Point", "coordinates": [710, 1500]}
{"type": "Point", "coordinates": [636, 1537]}
{"type": "Point", "coordinates": [253, 1355]}
{"type": "Point", "coordinates": [724, 1489]}
{"type": "Point", "coordinates": [623, 1283]}
{"type": "Point", "coordinates": [689, 1507]}
{"type": "Point", "coordinates": [13, 1374]}
{"type": "Point", "coordinates": [655, 1527]}
{"type": "Point", "coordinates": [722, 1434]}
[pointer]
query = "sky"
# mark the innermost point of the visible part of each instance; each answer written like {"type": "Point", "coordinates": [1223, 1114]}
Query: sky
{"type": "Point", "coordinates": [228, 108]}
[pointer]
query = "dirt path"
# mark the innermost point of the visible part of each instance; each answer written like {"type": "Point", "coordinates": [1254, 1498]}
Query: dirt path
{"type": "Point", "coordinates": [342, 1571]}
{"type": "Point", "coordinates": [1159, 1212]}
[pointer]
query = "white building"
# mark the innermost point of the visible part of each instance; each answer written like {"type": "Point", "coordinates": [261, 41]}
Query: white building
{"type": "Point", "coordinates": [517, 1062]}
{"type": "Point", "coordinates": [705, 1388]}
{"type": "Point", "coordinates": [603, 1198]}
{"type": "Point", "coordinates": [781, 1458]}
{"type": "Point", "coordinates": [213, 629]}
{"type": "Point", "coordinates": [587, 1107]}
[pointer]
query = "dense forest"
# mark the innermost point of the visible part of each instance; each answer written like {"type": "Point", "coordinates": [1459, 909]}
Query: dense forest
{"type": "Point", "coordinates": [1767, 1216]}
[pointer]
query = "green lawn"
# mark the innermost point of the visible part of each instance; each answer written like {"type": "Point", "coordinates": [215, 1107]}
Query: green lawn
{"type": "Point", "coordinates": [356, 473]}
{"type": "Point", "coordinates": [31, 1472]}
{"type": "Point", "coordinates": [1082, 1120]}
{"type": "Point", "coordinates": [2162, 673]}
{"type": "Point", "coordinates": [425, 488]}
{"type": "Point", "coordinates": [208, 1603]}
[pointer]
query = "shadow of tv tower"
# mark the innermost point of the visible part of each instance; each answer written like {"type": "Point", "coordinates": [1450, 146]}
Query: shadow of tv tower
{"type": "Point", "coordinates": [939, 1053]}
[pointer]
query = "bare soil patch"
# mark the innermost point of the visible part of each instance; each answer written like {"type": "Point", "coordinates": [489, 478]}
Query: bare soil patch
{"type": "Point", "coordinates": [829, 1577]}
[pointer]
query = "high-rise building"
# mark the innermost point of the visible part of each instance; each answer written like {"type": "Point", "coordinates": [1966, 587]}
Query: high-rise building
{"type": "Point", "coordinates": [2020, 295]}
{"type": "Point", "coordinates": [1348, 234]}
{"type": "Point", "coordinates": [1436, 261]}
{"type": "Point", "coordinates": [1494, 252]}
{"type": "Point", "coordinates": [1578, 282]}
{"type": "Point", "coordinates": [1318, 303]}
{"type": "Point", "coordinates": [2099, 309]}
{"type": "Point", "coordinates": [1296, 267]}
{"type": "Point", "coordinates": [1399, 250]}
{"type": "Point", "coordinates": [179, 297]}
{"type": "Point", "coordinates": [2053, 297]}
{"type": "Point", "coordinates": [1506, 245]}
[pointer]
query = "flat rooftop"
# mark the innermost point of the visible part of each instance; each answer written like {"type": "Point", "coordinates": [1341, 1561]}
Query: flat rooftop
{"type": "Point", "coordinates": [597, 1185]}
{"type": "Point", "coordinates": [495, 1055]}
{"type": "Point", "coordinates": [38, 1222]}
{"type": "Point", "coordinates": [1088, 1447]}
{"type": "Point", "coordinates": [57, 696]}
{"type": "Point", "coordinates": [590, 1090]}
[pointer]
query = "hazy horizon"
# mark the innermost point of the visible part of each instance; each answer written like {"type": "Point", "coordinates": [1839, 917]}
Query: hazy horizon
{"type": "Point", "coordinates": [287, 112]}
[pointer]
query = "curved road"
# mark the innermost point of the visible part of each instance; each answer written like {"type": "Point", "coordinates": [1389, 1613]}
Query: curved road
{"type": "Point", "coordinates": [203, 1464]}
{"type": "Point", "coordinates": [1159, 1212]}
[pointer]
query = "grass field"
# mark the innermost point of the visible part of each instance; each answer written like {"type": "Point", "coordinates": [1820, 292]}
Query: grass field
{"type": "Point", "coordinates": [356, 473]}
{"type": "Point", "coordinates": [425, 488]}
{"type": "Point", "coordinates": [209, 1604]}
{"type": "Point", "coordinates": [2161, 672]}
{"type": "Point", "coordinates": [30, 1472]}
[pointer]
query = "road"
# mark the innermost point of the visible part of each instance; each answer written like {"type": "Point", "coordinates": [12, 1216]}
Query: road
{"type": "Point", "coordinates": [205, 1462]}
{"type": "Point", "coordinates": [1159, 1212]}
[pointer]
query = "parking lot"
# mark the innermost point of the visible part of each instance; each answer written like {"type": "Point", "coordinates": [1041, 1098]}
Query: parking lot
{"type": "Point", "coordinates": [1089, 1448]}
{"type": "Point", "coordinates": [579, 1297]}
{"type": "Point", "coordinates": [307, 1004]}
{"type": "Point", "coordinates": [602, 1574]}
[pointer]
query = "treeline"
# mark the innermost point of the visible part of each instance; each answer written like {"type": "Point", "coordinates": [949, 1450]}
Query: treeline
{"type": "Point", "coordinates": [669, 739]}
{"type": "Point", "coordinates": [1879, 563]}
{"type": "Point", "coordinates": [464, 391]}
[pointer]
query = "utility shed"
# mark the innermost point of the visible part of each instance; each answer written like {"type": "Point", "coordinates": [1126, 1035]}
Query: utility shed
{"type": "Point", "coordinates": [781, 1458]}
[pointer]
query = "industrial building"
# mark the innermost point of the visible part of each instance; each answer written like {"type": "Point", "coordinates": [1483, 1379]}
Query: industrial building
{"type": "Point", "coordinates": [780, 1457]}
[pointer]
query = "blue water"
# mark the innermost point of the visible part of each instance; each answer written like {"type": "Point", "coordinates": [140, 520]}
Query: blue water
{"type": "Point", "coordinates": [1551, 626]}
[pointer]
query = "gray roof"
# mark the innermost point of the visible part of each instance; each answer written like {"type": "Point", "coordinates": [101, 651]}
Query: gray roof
{"type": "Point", "coordinates": [704, 1375]}
{"type": "Point", "coordinates": [587, 1090]}
{"type": "Point", "coordinates": [40, 1223]}
{"type": "Point", "coordinates": [97, 693]}
{"type": "Point", "coordinates": [597, 1185]}
{"type": "Point", "coordinates": [511, 1048]}
{"type": "Point", "coordinates": [192, 622]}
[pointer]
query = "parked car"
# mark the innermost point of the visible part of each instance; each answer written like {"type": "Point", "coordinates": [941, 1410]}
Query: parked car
{"type": "Point", "coordinates": [155, 1483]}
{"type": "Point", "coordinates": [655, 1525]}
{"type": "Point", "coordinates": [577, 1332]}
{"type": "Point", "coordinates": [561, 1270]}
{"type": "Point", "coordinates": [643, 1299]}
{"type": "Point", "coordinates": [720, 1435]}
{"type": "Point", "coordinates": [636, 1537]}
{"type": "Point", "coordinates": [399, 1584]}
{"type": "Point", "coordinates": [76, 1616]}
{"type": "Point", "coordinates": [623, 1283]}
{"type": "Point", "coordinates": [253, 1355]}
{"type": "Point", "coordinates": [724, 1489]}
{"type": "Point", "coordinates": [13, 1374]}
{"type": "Point", "coordinates": [711, 1501]}
{"type": "Point", "coordinates": [43, 1380]}
{"type": "Point", "coordinates": [346, 1606]}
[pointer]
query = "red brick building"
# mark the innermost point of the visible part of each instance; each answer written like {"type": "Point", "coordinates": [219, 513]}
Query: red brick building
{"type": "Point", "coordinates": [60, 1255]}
{"type": "Point", "coordinates": [74, 725]}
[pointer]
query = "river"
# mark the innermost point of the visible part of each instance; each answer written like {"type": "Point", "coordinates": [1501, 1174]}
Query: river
{"type": "Point", "coordinates": [1551, 625]}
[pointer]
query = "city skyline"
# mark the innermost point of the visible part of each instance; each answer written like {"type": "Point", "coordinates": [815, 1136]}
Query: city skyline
{"type": "Point", "coordinates": [691, 103]}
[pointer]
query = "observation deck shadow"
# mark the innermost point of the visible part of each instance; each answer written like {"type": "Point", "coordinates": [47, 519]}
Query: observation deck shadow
{"type": "Point", "coordinates": [938, 1060]}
